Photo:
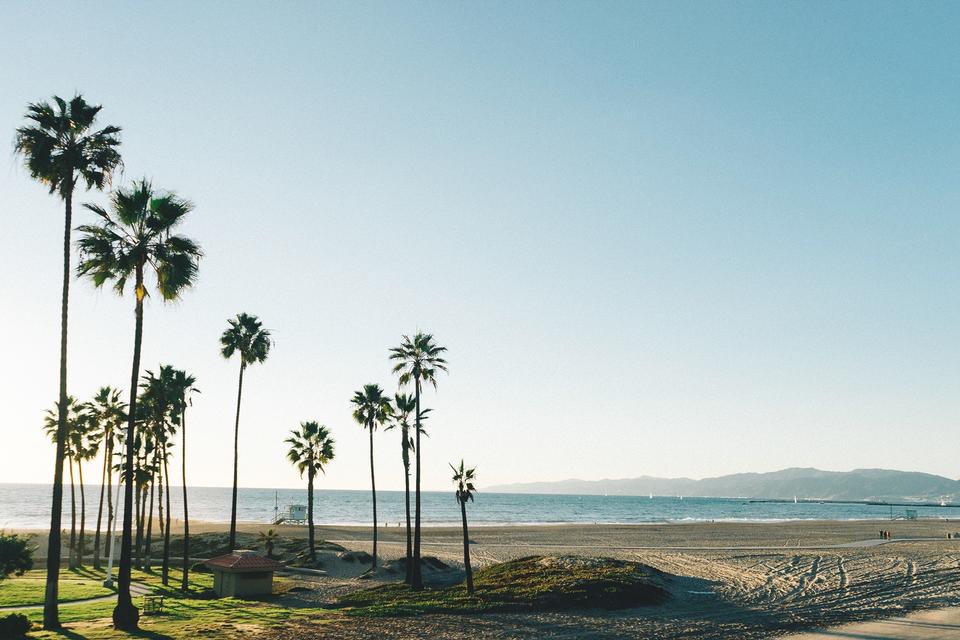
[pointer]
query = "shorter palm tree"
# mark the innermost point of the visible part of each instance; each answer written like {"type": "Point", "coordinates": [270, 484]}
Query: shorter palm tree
{"type": "Point", "coordinates": [372, 409]}
{"type": "Point", "coordinates": [311, 448]}
{"type": "Point", "coordinates": [268, 539]}
{"type": "Point", "coordinates": [51, 428]}
{"type": "Point", "coordinates": [463, 480]}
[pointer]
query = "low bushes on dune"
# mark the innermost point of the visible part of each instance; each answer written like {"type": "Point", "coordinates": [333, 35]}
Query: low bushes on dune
{"type": "Point", "coordinates": [533, 583]}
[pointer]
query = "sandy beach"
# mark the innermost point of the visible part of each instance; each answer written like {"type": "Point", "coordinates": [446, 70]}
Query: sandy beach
{"type": "Point", "coordinates": [730, 580]}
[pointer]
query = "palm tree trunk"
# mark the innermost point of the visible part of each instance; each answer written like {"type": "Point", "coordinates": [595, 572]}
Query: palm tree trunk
{"type": "Point", "coordinates": [417, 573]}
{"type": "Point", "coordinates": [96, 538]}
{"type": "Point", "coordinates": [165, 572]}
{"type": "Point", "coordinates": [466, 547]}
{"type": "Point", "coordinates": [373, 488]}
{"type": "Point", "coordinates": [51, 614]}
{"type": "Point", "coordinates": [110, 513]}
{"type": "Point", "coordinates": [408, 574]}
{"type": "Point", "coordinates": [186, 514]}
{"type": "Point", "coordinates": [160, 488]}
{"type": "Point", "coordinates": [83, 514]}
{"type": "Point", "coordinates": [313, 548]}
{"type": "Point", "coordinates": [141, 512]}
{"type": "Point", "coordinates": [125, 615]}
{"type": "Point", "coordinates": [310, 534]}
{"type": "Point", "coordinates": [236, 442]}
{"type": "Point", "coordinates": [72, 563]}
{"type": "Point", "coordinates": [148, 519]}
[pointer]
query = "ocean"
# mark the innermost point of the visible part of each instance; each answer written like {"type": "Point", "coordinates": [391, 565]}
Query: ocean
{"type": "Point", "coordinates": [28, 506]}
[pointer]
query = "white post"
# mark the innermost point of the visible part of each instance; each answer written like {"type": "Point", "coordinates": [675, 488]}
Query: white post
{"type": "Point", "coordinates": [108, 583]}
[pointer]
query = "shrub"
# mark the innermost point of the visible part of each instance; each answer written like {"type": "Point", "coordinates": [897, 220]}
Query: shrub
{"type": "Point", "coordinates": [16, 555]}
{"type": "Point", "coordinates": [16, 625]}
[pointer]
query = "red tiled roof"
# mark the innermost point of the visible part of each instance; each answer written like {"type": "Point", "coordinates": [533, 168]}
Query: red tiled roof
{"type": "Point", "coordinates": [236, 563]}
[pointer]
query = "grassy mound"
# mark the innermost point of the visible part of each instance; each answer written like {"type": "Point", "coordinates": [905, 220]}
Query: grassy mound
{"type": "Point", "coordinates": [527, 584]}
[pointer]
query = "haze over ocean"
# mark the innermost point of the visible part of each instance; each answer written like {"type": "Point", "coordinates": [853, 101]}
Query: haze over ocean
{"type": "Point", "coordinates": [27, 506]}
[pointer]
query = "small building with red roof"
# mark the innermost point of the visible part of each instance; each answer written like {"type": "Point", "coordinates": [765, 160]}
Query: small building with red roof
{"type": "Point", "coordinates": [243, 574]}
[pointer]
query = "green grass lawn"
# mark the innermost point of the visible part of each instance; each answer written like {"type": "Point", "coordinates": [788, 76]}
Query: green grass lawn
{"type": "Point", "coordinates": [28, 589]}
{"type": "Point", "coordinates": [183, 617]}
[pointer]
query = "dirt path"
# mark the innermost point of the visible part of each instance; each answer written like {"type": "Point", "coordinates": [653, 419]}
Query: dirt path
{"type": "Point", "coordinates": [939, 624]}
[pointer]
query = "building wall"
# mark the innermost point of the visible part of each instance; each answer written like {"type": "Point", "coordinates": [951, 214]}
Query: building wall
{"type": "Point", "coordinates": [238, 585]}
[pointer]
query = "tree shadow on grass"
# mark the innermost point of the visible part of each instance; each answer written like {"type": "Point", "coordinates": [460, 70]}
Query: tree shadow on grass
{"type": "Point", "coordinates": [66, 632]}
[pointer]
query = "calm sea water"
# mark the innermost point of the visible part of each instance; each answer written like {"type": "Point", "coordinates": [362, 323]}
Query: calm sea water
{"type": "Point", "coordinates": [28, 506]}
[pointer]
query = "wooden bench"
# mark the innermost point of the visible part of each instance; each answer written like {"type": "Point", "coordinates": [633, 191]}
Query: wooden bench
{"type": "Point", "coordinates": [152, 605]}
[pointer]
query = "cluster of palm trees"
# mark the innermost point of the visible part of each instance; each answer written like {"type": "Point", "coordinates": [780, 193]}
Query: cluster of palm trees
{"type": "Point", "coordinates": [134, 246]}
{"type": "Point", "coordinates": [134, 242]}
{"type": "Point", "coordinates": [417, 361]}
{"type": "Point", "coordinates": [91, 427]}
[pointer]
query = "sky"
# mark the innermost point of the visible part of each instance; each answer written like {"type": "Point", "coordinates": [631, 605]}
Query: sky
{"type": "Point", "coordinates": [658, 238]}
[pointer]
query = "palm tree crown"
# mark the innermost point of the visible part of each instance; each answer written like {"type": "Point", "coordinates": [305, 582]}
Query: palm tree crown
{"type": "Point", "coordinates": [418, 359]}
{"type": "Point", "coordinates": [463, 481]}
{"type": "Point", "coordinates": [311, 448]}
{"type": "Point", "coordinates": [247, 336]}
{"type": "Point", "coordinates": [371, 407]}
{"type": "Point", "coordinates": [137, 235]}
{"type": "Point", "coordinates": [62, 142]}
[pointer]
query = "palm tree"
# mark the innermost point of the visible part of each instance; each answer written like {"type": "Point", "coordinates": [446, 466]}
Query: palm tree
{"type": "Point", "coordinates": [61, 147]}
{"type": "Point", "coordinates": [160, 389]}
{"type": "Point", "coordinates": [463, 481]}
{"type": "Point", "coordinates": [137, 238]}
{"type": "Point", "coordinates": [85, 447]}
{"type": "Point", "coordinates": [245, 336]}
{"type": "Point", "coordinates": [51, 427]}
{"type": "Point", "coordinates": [182, 386]}
{"type": "Point", "coordinates": [106, 412]}
{"type": "Point", "coordinates": [311, 448]}
{"type": "Point", "coordinates": [269, 538]}
{"type": "Point", "coordinates": [372, 409]}
{"type": "Point", "coordinates": [418, 361]}
{"type": "Point", "coordinates": [405, 405]}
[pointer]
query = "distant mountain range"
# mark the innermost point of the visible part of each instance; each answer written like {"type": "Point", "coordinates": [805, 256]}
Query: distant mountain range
{"type": "Point", "coordinates": [859, 484]}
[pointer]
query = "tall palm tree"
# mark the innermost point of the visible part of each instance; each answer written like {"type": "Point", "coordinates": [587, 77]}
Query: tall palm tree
{"type": "Point", "coordinates": [137, 238]}
{"type": "Point", "coordinates": [311, 449]}
{"type": "Point", "coordinates": [463, 480]}
{"type": "Point", "coordinates": [405, 404]}
{"type": "Point", "coordinates": [51, 427]}
{"type": "Point", "coordinates": [106, 412]}
{"type": "Point", "coordinates": [418, 360]}
{"type": "Point", "coordinates": [371, 410]}
{"type": "Point", "coordinates": [245, 336]}
{"type": "Point", "coordinates": [61, 147]}
{"type": "Point", "coordinates": [182, 387]}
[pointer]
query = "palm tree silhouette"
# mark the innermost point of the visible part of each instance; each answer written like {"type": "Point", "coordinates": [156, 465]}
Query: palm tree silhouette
{"type": "Point", "coordinates": [245, 336]}
{"type": "Point", "coordinates": [51, 427]}
{"type": "Point", "coordinates": [60, 148]}
{"type": "Point", "coordinates": [371, 410]}
{"type": "Point", "coordinates": [134, 239]}
{"type": "Point", "coordinates": [418, 361]}
{"type": "Point", "coordinates": [405, 405]}
{"type": "Point", "coordinates": [463, 480]}
{"type": "Point", "coordinates": [183, 384]}
{"type": "Point", "coordinates": [107, 413]}
{"type": "Point", "coordinates": [311, 449]}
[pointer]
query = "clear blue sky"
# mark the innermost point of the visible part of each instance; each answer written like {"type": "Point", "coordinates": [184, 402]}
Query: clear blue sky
{"type": "Point", "coordinates": [657, 238]}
